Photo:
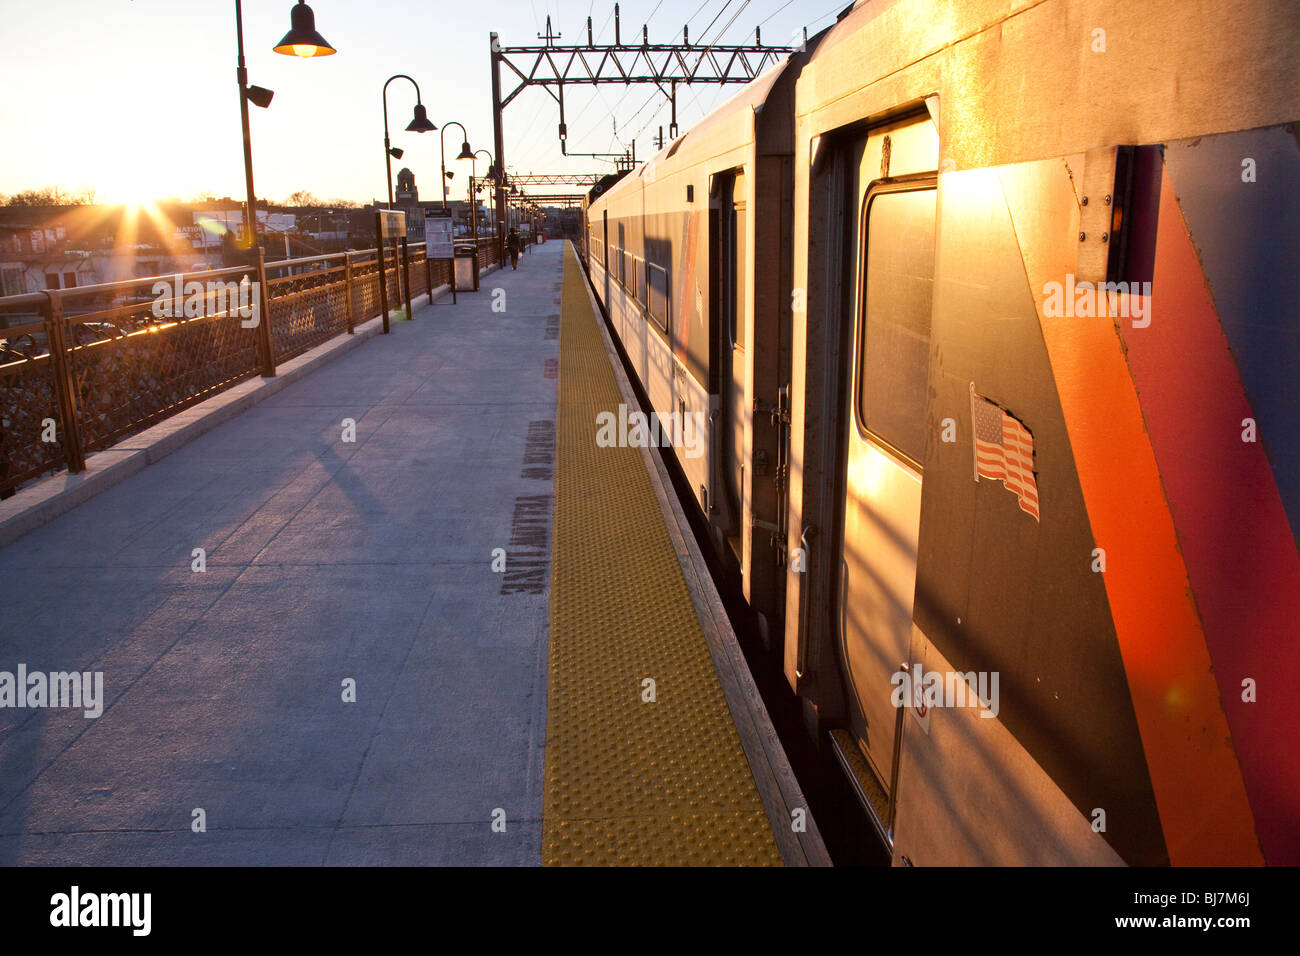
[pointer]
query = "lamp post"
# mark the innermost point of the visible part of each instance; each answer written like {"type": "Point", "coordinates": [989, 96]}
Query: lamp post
{"type": "Point", "coordinates": [465, 153]}
{"type": "Point", "coordinates": [419, 124]}
{"type": "Point", "coordinates": [473, 199]}
{"type": "Point", "coordinates": [501, 204]}
{"type": "Point", "coordinates": [301, 40]}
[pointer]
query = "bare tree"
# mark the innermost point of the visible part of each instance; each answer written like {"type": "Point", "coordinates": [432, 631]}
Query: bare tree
{"type": "Point", "coordinates": [51, 196]}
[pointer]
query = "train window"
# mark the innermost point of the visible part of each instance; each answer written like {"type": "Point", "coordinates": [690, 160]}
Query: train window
{"type": "Point", "coordinates": [657, 301]}
{"type": "Point", "coordinates": [894, 353]}
{"type": "Point", "coordinates": [737, 237]}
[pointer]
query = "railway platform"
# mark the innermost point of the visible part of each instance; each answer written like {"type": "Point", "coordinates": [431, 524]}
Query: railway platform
{"type": "Point", "coordinates": [404, 610]}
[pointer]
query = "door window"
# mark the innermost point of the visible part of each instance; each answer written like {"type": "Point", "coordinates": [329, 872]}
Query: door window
{"type": "Point", "coordinates": [894, 355]}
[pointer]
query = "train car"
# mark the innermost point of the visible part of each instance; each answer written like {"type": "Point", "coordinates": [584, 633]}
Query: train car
{"type": "Point", "coordinates": [673, 248]}
{"type": "Point", "coordinates": [991, 308]}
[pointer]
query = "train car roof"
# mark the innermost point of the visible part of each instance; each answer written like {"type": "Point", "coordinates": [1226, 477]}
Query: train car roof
{"type": "Point", "coordinates": [708, 137]}
{"type": "Point", "coordinates": [1019, 80]}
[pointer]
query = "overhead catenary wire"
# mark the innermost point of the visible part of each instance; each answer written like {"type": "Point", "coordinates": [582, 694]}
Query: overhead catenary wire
{"type": "Point", "coordinates": [704, 45]}
{"type": "Point", "coordinates": [772, 14]}
{"type": "Point", "coordinates": [722, 32]}
{"type": "Point", "coordinates": [711, 45]}
{"type": "Point", "coordinates": [717, 16]}
{"type": "Point", "coordinates": [619, 102]}
{"type": "Point", "coordinates": [527, 145]}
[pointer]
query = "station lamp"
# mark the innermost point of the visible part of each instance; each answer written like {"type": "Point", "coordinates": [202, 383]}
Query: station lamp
{"type": "Point", "coordinates": [465, 153]}
{"type": "Point", "coordinates": [419, 124]}
{"type": "Point", "coordinates": [302, 38]}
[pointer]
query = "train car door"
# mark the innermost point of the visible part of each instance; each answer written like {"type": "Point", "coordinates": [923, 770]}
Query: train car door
{"type": "Point", "coordinates": [727, 274]}
{"type": "Point", "coordinates": [889, 263]}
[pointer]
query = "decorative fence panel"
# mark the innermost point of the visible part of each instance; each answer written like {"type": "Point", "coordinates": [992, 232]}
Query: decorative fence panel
{"type": "Point", "coordinates": [308, 305]}
{"type": "Point", "coordinates": [82, 368]}
{"type": "Point", "coordinates": [28, 402]}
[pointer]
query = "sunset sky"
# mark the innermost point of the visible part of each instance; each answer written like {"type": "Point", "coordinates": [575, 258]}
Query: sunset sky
{"type": "Point", "coordinates": [136, 99]}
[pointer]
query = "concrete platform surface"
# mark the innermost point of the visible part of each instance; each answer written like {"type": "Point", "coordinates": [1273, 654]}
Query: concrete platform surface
{"type": "Point", "coordinates": [326, 561]}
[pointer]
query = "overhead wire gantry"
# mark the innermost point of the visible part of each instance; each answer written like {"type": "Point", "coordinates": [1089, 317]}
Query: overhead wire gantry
{"type": "Point", "coordinates": [553, 66]}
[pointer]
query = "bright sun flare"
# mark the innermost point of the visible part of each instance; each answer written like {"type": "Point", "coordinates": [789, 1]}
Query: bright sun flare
{"type": "Point", "coordinates": [127, 181]}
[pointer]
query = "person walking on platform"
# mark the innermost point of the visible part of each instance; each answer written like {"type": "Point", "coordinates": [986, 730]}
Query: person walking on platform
{"type": "Point", "coordinates": [512, 243]}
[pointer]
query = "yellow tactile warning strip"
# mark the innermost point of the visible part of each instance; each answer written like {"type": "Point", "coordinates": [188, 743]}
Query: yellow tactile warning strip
{"type": "Point", "coordinates": [629, 782]}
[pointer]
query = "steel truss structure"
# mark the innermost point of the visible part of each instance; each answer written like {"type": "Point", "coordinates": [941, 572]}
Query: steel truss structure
{"type": "Point", "coordinates": [552, 67]}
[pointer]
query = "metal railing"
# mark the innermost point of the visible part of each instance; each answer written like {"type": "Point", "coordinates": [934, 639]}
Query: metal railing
{"type": "Point", "coordinates": [83, 368]}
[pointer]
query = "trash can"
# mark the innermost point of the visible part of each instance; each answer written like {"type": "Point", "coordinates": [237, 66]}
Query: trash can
{"type": "Point", "coordinates": [465, 267]}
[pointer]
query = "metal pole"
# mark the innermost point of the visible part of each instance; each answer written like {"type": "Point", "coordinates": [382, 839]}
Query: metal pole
{"type": "Point", "coordinates": [383, 279]}
{"type": "Point", "coordinates": [499, 146]}
{"type": "Point", "coordinates": [264, 318]}
{"type": "Point", "coordinates": [65, 391]}
{"type": "Point", "coordinates": [347, 285]}
{"type": "Point", "coordinates": [442, 183]}
{"type": "Point", "coordinates": [473, 210]}
{"type": "Point", "coordinates": [388, 160]}
{"type": "Point", "coordinates": [250, 214]}
{"type": "Point", "coordinates": [241, 76]}
{"type": "Point", "coordinates": [428, 270]}
{"type": "Point", "coordinates": [406, 274]}
{"type": "Point", "coordinates": [398, 292]}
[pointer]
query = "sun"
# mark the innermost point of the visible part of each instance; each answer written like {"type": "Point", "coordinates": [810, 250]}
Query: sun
{"type": "Point", "coordinates": [124, 180]}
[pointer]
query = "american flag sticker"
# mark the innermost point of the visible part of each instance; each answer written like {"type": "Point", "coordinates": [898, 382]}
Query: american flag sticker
{"type": "Point", "coordinates": [1004, 451]}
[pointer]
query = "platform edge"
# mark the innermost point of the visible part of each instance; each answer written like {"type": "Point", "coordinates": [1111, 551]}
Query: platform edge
{"type": "Point", "coordinates": [774, 778]}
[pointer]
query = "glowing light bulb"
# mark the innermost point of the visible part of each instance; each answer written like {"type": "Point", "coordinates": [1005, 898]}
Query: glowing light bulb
{"type": "Point", "coordinates": [304, 49]}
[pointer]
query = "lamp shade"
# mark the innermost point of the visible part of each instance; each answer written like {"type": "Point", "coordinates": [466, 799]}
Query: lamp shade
{"type": "Point", "coordinates": [465, 151]}
{"type": "Point", "coordinates": [302, 38]}
{"type": "Point", "coordinates": [420, 123]}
